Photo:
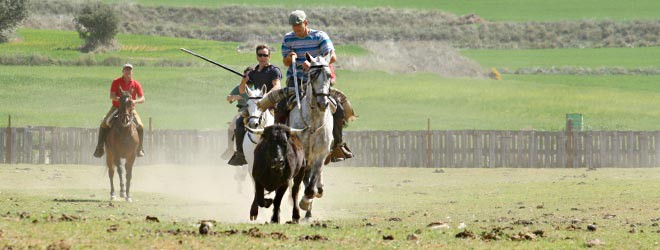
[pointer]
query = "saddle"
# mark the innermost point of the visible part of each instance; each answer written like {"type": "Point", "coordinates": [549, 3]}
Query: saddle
{"type": "Point", "coordinates": [115, 116]}
{"type": "Point", "coordinates": [337, 98]}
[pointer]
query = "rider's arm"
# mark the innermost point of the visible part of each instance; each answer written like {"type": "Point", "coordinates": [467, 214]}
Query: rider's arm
{"type": "Point", "coordinates": [333, 57]}
{"type": "Point", "coordinates": [244, 81]}
{"type": "Point", "coordinates": [276, 84]}
{"type": "Point", "coordinates": [287, 59]}
{"type": "Point", "coordinates": [233, 98]}
{"type": "Point", "coordinates": [114, 96]}
{"type": "Point", "coordinates": [140, 99]}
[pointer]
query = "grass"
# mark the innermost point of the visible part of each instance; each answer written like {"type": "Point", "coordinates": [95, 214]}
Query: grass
{"type": "Point", "coordinates": [193, 98]}
{"type": "Point", "coordinates": [392, 201]}
{"type": "Point", "coordinates": [646, 57]}
{"type": "Point", "coordinates": [503, 10]}
{"type": "Point", "coordinates": [63, 45]}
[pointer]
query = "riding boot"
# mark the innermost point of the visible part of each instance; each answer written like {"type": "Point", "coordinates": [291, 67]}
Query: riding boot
{"type": "Point", "coordinates": [340, 150]}
{"type": "Point", "coordinates": [103, 132]}
{"type": "Point", "coordinates": [140, 151]}
{"type": "Point", "coordinates": [238, 159]}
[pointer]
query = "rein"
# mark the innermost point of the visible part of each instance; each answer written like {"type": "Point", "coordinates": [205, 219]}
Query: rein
{"type": "Point", "coordinates": [313, 75]}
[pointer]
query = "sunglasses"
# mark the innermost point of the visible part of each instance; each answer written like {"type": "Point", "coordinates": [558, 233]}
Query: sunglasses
{"type": "Point", "coordinates": [263, 55]}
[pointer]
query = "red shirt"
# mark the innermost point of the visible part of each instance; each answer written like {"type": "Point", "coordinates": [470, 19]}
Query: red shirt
{"type": "Point", "coordinates": [133, 86]}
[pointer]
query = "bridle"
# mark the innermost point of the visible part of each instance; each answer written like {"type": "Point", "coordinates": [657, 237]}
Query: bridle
{"type": "Point", "coordinates": [124, 111]}
{"type": "Point", "coordinates": [260, 119]}
{"type": "Point", "coordinates": [314, 74]}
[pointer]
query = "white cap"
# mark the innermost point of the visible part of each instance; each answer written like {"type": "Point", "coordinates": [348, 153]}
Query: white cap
{"type": "Point", "coordinates": [128, 65]}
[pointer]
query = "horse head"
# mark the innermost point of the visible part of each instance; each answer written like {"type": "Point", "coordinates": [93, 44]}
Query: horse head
{"type": "Point", "coordinates": [125, 107]}
{"type": "Point", "coordinates": [319, 79]}
{"type": "Point", "coordinates": [254, 113]}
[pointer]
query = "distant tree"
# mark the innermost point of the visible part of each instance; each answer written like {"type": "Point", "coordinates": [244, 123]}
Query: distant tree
{"type": "Point", "coordinates": [12, 12]}
{"type": "Point", "coordinates": [97, 24]}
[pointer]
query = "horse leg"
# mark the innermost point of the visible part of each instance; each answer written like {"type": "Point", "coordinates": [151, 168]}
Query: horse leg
{"type": "Point", "coordinates": [258, 199]}
{"type": "Point", "coordinates": [308, 214]}
{"type": "Point", "coordinates": [295, 217]}
{"type": "Point", "coordinates": [319, 183]}
{"type": "Point", "coordinates": [306, 201]}
{"type": "Point", "coordinates": [109, 161]}
{"type": "Point", "coordinates": [129, 175]}
{"type": "Point", "coordinates": [311, 188]}
{"type": "Point", "coordinates": [120, 172]}
{"type": "Point", "coordinates": [276, 204]}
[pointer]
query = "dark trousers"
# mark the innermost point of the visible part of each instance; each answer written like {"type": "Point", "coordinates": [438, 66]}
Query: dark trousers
{"type": "Point", "coordinates": [239, 134]}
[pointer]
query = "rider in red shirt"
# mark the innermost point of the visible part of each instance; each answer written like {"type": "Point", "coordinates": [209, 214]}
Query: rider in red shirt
{"type": "Point", "coordinates": [125, 83]}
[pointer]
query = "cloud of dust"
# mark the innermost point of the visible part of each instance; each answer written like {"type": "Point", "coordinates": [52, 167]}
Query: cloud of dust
{"type": "Point", "coordinates": [223, 193]}
{"type": "Point", "coordinates": [414, 56]}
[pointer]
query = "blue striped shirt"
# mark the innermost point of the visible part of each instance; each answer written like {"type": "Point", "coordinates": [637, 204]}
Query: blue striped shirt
{"type": "Point", "coordinates": [315, 43]}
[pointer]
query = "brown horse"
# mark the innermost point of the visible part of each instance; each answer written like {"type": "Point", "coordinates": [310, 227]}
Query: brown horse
{"type": "Point", "coordinates": [122, 142]}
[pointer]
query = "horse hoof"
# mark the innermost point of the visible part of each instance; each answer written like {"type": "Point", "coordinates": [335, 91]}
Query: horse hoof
{"type": "Point", "coordinates": [122, 194]}
{"type": "Point", "coordinates": [113, 198]}
{"type": "Point", "coordinates": [128, 199]}
{"type": "Point", "coordinates": [305, 204]}
{"type": "Point", "coordinates": [253, 217]}
{"type": "Point", "coordinates": [319, 194]}
{"type": "Point", "coordinates": [268, 202]}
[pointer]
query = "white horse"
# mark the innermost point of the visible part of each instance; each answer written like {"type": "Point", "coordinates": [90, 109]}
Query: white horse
{"type": "Point", "coordinates": [315, 118]}
{"type": "Point", "coordinates": [256, 119]}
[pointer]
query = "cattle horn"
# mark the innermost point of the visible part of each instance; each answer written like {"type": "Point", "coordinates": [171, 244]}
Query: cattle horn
{"type": "Point", "coordinates": [297, 131]}
{"type": "Point", "coordinates": [256, 131]}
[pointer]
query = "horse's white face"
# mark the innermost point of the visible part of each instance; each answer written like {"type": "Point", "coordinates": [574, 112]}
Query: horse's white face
{"type": "Point", "coordinates": [319, 78]}
{"type": "Point", "coordinates": [254, 113]}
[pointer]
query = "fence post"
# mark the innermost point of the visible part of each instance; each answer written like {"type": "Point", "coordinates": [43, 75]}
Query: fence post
{"type": "Point", "coordinates": [569, 144]}
{"type": "Point", "coordinates": [9, 141]}
{"type": "Point", "coordinates": [428, 143]}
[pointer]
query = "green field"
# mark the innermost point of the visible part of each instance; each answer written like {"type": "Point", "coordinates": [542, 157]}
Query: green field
{"type": "Point", "coordinates": [193, 98]}
{"type": "Point", "coordinates": [507, 10]}
{"type": "Point", "coordinates": [393, 202]}
{"type": "Point", "coordinates": [63, 45]}
{"type": "Point", "coordinates": [647, 57]}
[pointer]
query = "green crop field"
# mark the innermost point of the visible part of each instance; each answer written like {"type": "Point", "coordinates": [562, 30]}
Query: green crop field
{"type": "Point", "coordinates": [69, 205]}
{"type": "Point", "coordinates": [63, 45]}
{"type": "Point", "coordinates": [193, 98]}
{"type": "Point", "coordinates": [648, 57]}
{"type": "Point", "coordinates": [509, 10]}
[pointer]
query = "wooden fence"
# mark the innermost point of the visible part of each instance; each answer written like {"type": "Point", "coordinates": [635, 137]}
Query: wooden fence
{"type": "Point", "coordinates": [464, 148]}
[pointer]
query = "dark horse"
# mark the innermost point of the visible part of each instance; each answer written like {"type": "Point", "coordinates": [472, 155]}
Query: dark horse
{"type": "Point", "coordinates": [122, 142]}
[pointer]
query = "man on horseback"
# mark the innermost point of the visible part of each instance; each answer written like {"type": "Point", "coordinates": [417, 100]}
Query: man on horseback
{"type": "Point", "coordinates": [123, 83]}
{"type": "Point", "coordinates": [315, 42]}
{"type": "Point", "coordinates": [264, 74]}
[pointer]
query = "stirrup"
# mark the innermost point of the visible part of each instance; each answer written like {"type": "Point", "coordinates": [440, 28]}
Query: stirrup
{"type": "Point", "coordinates": [346, 151]}
{"type": "Point", "coordinates": [337, 154]}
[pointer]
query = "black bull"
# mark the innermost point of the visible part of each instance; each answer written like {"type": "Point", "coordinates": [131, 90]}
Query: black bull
{"type": "Point", "coordinates": [278, 163]}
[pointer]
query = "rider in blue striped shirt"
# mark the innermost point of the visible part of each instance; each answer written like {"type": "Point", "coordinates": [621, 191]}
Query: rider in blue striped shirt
{"type": "Point", "coordinates": [317, 43]}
